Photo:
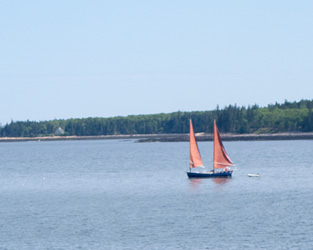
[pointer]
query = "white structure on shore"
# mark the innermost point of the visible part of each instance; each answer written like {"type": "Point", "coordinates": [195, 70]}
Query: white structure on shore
{"type": "Point", "coordinates": [59, 131]}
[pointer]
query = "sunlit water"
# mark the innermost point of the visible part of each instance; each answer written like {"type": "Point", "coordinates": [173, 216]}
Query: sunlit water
{"type": "Point", "coordinates": [127, 195]}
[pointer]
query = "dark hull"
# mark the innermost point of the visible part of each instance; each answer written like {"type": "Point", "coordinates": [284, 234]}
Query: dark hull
{"type": "Point", "coordinates": [210, 175]}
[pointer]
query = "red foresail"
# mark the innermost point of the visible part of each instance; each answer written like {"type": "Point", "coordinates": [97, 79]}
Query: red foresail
{"type": "Point", "coordinates": [195, 158]}
{"type": "Point", "coordinates": [221, 159]}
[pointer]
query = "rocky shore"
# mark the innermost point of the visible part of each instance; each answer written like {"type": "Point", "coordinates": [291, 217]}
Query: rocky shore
{"type": "Point", "coordinates": [169, 137]}
{"type": "Point", "coordinates": [230, 137]}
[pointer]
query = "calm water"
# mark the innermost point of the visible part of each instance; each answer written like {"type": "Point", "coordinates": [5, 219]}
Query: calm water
{"type": "Point", "coordinates": [127, 195]}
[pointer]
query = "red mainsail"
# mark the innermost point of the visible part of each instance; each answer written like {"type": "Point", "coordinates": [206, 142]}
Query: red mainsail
{"type": "Point", "coordinates": [195, 157]}
{"type": "Point", "coordinates": [221, 159]}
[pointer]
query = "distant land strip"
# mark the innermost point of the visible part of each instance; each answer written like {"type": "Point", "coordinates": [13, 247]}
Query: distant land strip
{"type": "Point", "coordinates": [168, 137]}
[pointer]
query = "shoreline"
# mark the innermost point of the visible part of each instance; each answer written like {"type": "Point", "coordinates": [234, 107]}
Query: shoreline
{"type": "Point", "coordinates": [168, 137]}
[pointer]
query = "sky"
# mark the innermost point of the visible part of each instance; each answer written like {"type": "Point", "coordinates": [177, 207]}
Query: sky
{"type": "Point", "coordinates": [78, 59]}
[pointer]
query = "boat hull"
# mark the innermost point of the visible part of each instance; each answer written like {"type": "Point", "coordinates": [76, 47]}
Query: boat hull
{"type": "Point", "coordinates": [209, 174]}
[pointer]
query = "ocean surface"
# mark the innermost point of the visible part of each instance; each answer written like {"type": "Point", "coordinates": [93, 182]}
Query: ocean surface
{"type": "Point", "coordinates": [119, 194]}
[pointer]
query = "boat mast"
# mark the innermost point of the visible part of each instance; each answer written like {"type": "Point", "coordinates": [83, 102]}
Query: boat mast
{"type": "Point", "coordinates": [190, 122]}
{"type": "Point", "coordinates": [213, 145]}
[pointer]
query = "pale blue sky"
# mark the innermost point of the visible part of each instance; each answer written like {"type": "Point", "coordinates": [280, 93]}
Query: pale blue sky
{"type": "Point", "coordinates": [75, 59]}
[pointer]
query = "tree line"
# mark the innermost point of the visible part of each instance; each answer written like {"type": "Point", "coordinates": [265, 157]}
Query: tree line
{"type": "Point", "coordinates": [275, 118]}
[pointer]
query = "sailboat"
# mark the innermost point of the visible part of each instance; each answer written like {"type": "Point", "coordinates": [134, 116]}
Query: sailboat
{"type": "Point", "coordinates": [221, 161]}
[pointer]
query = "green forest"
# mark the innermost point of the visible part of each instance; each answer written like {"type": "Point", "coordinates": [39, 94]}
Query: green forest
{"type": "Point", "coordinates": [275, 118]}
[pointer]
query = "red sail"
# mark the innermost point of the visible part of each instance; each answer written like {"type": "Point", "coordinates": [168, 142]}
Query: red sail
{"type": "Point", "coordinates": [221, 159]}
{"type": "Point", "coordinates": [195, 158]}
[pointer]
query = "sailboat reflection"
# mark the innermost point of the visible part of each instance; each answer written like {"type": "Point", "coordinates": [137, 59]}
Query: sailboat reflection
{"type": "Point", "coordinates": [221, 180]}
{"type": "Point", "coordinates": [196, 182]}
